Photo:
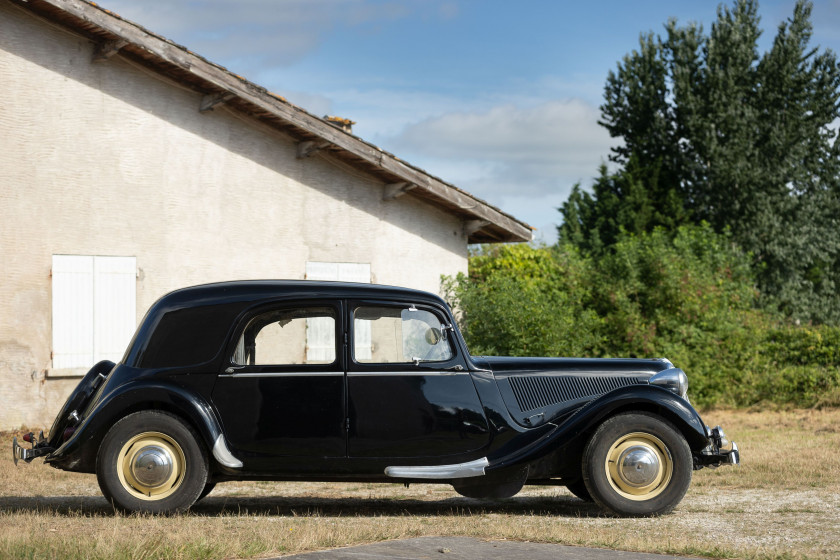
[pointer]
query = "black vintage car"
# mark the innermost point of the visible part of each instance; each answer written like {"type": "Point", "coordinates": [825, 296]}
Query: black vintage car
{"type": "Point", "coordinates": [300, 380]}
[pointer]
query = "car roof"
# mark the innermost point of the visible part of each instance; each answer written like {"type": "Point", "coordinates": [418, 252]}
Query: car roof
{"type": "Point", "coordinates": [251, 290]}
{"type": "Point", "coordinates": [190, 325]}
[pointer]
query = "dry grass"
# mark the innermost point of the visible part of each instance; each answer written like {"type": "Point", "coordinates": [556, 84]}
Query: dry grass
{"type": "Point", "coordinates": [784, 502]}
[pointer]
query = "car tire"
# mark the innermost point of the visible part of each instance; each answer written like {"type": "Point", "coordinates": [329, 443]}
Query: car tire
{"type": "Point", "coordinates": [637, 465]}
{"type": "Point", "coordinates": [151, 462]}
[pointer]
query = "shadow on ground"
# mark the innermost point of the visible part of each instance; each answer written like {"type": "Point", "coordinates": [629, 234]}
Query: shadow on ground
{"type": "Point", "coordinates": [563, 506]}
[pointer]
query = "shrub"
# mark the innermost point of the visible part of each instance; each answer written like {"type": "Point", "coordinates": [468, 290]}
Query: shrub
{"type": "Point", "coordinates": [687, 295]}
{"type": "Point", "coordinates": [521, 300]}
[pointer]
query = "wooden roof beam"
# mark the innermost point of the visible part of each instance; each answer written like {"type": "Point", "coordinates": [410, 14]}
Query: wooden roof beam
{"type": "Point", "coordinates": [209, 101]}
{"type": "Point", "coordinates": [104, 51]}
{"type": "Point", "coordinates": [472, 226]}
{"type": "Point", "coordinates": [308, 148]}
{"type": "Point", "coordinates": [396, 190]}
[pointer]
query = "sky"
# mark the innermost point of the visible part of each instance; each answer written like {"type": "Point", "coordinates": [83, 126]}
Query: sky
{"type": "Point", "coordinates": [498, 97]}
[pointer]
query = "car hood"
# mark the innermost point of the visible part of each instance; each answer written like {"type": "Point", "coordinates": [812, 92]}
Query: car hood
{"type": "Point", "coordinates": [572, 366]}
{"type": "Point", "coordinates": [537, 390]}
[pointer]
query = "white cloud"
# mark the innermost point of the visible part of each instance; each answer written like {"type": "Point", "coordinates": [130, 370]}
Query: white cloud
{"type": "Point", "coordinates": [530, 151]}
{"type": "Point", "coordinates": [520, 145]}
{"type": "Point", "coordinates": [524, 160]}
{"type": "Point", "coordinates": [253, 34]}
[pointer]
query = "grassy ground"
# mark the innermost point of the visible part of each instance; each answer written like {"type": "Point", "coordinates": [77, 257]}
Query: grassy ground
{"type": "Point", "coordinates": [783, 502]}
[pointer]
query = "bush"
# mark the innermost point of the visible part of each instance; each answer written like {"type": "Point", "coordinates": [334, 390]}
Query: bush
{"type": "Point", "coordinates": [526, 301]}
{"type": "Point", "coordinates": [687, 295]}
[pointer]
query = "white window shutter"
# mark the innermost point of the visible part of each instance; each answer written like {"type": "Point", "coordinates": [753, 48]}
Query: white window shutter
{"type": "Point", "coordinates": [359, 272]}
{"type": "Point", "coordinates": [320, 339]}
{"type": "Point", "coordinates": [115, 313]}
{"type": "Point", "coordinates": [72, 311]}
{"type": "Point", "coordinates": [93, 309]}
{"type": "Point", "coordinates": [340, 272]}
{"type": "Point", "coordinates": [322, 271]}
{"type": "Point", "coordinates": [354, 272]}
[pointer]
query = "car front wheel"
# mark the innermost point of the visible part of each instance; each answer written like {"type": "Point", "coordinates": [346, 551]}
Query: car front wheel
{"type": "Point", "coordinates": [151, 462]}
{"type": "Point", "coordinates": [637, 464]}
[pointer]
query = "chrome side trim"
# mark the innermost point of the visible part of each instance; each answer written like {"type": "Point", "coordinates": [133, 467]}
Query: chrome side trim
{"type": "Point", "coordinates": [286, 374]}
{"type": "Point", "coordinates": [459, 470]}
{"type": "Point", "coordinates": [440, 373]}
{"type": "Point", "coordinates": [223, 454]}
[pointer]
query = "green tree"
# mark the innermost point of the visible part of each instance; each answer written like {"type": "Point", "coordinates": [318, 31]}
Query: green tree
{"type": "Point", "coordinates": [630, 201]}
{"type": "Point", "coordinates": [712, 131]}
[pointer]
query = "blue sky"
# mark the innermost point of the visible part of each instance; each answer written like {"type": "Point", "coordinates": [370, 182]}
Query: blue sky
{"type": "Point", "coordinates": [498, 97]}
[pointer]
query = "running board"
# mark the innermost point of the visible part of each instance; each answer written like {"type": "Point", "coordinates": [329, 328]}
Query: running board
{"type": "Point", "coordinates": [460, 470]}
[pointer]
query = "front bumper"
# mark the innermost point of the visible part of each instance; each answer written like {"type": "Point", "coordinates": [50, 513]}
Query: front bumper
{"type": "Point", "coordinates": [40, 448]}
{"type": "Point", "coordinates": [720, 451]}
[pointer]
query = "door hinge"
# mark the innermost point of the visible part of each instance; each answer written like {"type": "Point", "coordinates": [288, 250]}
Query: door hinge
{"type": "Point", "coordinates": [347, 424]}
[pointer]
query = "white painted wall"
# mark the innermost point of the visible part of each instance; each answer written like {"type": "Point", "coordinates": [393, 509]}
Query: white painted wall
{"type": "Point", "coordinates": [108, 159]}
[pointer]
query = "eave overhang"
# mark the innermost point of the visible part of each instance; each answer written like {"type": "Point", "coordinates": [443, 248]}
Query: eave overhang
{"type": "Point", "coordinates": [113, 35]}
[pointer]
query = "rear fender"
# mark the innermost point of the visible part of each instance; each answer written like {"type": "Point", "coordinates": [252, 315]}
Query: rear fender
{"type": "Point", "coordinates": [78, 453]}
{"type": "Point", "coordinates": [575, 429]}
{"type": "Point", "coordinates": [78, 400]}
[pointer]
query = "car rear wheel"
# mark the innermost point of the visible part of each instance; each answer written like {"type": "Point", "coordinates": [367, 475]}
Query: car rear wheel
{"type": "Point", "coordinates": [637, 464]}
{"type": "Point", "coordinates": [152, 462]}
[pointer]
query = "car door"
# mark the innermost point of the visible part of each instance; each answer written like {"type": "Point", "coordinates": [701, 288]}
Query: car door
{"type": "Point", "coordinates": [409, 394]}
{"type": "Point", "coordinates": [282, 391]}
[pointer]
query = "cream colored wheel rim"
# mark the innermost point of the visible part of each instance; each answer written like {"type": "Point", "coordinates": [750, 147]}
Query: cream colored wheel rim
{"type": "Point", "coordinates": [639, 466]}
{"type": "Point", "coordinates": [151, 466]}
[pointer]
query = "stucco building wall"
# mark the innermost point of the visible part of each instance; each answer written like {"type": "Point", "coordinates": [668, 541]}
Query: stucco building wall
{"type": "Point", "coordinates": [108, 159]}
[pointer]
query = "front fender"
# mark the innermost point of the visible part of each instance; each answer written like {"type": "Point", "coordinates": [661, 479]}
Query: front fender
{"type": "Point", "coordinates": [572, 428]}
{"type": "Point", "coordinates": [78, 453]}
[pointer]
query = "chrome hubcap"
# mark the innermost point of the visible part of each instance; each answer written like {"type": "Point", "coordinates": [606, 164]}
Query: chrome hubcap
{"type": "Point", "coordinates": [638, 466]}
{"type": "Point", "coordinates": [152, 466]}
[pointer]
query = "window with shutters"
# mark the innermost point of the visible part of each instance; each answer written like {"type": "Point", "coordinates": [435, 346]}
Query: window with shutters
{"type": "Point", "coordinates": [282, 337]}
{"type": "Point", "coordinates": [94, 309]}
{"type": "Point", "coordinates": [399, 335]}
{"type": "Point", "coordinates": [342, 272]}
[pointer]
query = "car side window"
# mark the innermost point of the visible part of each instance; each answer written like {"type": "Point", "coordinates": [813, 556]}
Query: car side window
{"type": "Point", "coordinates": [288, 337]}
{"type": "Point", "coordinates": [399, 335]}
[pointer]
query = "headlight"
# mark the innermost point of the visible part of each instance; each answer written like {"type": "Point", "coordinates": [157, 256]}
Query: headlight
{"type": "Point", "coordinates": [673, 379]}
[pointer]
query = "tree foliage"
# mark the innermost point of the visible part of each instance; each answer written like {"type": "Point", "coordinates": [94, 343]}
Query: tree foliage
{"type": "Point", "coordinates": [687, 295]}
{"type": "Point", "coordinates": [713, 131]}
{"type": "Point", "coordinates": [526, 301]}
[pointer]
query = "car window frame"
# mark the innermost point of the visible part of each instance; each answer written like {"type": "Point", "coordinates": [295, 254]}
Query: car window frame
{"type": "Point", "coordinates": [337, 365]}
{"type": "Point", "coordinates": [453, 363]}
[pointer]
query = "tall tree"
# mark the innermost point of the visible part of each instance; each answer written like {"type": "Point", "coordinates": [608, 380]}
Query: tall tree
{"type": "Point", "coordinates": [713, 131]}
